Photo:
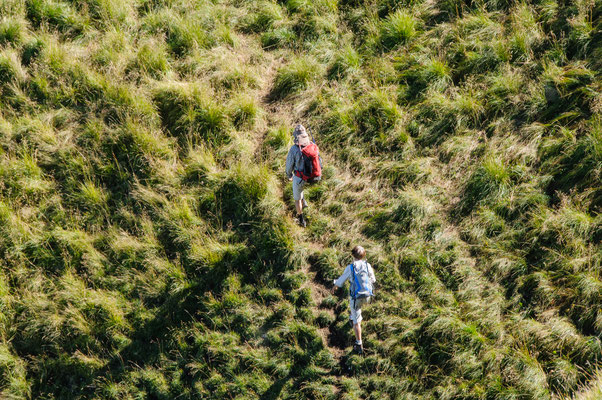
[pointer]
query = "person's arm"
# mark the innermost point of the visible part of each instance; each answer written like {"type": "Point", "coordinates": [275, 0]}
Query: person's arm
{"type": "Point", "coordinates": [371, 273]}
{"type": "Point", "coordinates": [290, 162]}
{"type": "Point", "coordinates": [343, 278]}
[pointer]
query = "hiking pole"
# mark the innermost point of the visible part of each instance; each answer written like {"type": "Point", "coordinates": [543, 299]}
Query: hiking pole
{"type": "Point", "coordinates": [310, 134]}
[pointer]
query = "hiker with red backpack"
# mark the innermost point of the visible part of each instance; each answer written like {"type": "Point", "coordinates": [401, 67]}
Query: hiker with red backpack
{"type": "Point", "coordinates": [303, 165]}
{"type": "Point", "coordinates": [361, 289]}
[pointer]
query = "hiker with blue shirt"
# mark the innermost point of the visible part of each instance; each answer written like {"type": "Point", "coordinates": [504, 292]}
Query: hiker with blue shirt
{"type": "Point", "coordinates": [361, 280]}
{"type": "Point", "coordinates": [303, 165]}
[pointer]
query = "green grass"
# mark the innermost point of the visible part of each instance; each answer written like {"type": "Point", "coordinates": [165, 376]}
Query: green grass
{"type": "Point", "coordinates": [147, 248]}
{"type": "Point", "coordinates": [263, 19]}
{"type": "Point", "coordinates": [346, 62]}
{"type": "Point", "coordinates": [189, 113]}
{"type": "Point", "coordinates": [591, 392]}
{"type": "Point", "coordinates": [277, 37]}
{"type": "Point", "coordinates": [151, 58]}
{"type": "Point", "coordinates": [399, 28]}
{"type": "Point", "coordinates": [11, 31]}
{"type": "Point", "coordinates": [294, 77]}
{"type": "Point", "coordinates": [58, 15]}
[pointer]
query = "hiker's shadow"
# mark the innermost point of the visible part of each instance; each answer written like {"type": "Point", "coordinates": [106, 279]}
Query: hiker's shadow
{"type": "Point", "coordinates": [297, 376]}
{"type": "Point", "coordinates": [275, 390]}
{"type": "Point", "coordinates": [147, 343]}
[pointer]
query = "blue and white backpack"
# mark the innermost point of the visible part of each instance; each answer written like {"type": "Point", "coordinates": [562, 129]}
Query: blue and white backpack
{"type": "Point", "coordinates": [361, 285]}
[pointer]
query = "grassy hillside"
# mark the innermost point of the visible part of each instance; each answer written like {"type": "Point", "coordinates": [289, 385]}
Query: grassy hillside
{"type": "Point", "coordinates": [147, 246]}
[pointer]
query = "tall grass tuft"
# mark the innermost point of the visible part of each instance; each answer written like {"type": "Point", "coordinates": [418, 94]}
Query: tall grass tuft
{"type": "Point", "coordinates": [376, 117]}
{"type": "Point", "coordinates": [11, 70]}
{"type": "Point", "coordinates": [266, 15]}
{"type": "Point", "coordinates": [12, 375]}
{"type": "Point", "coordinates": [281, 36]}
{"type": "Point", "coordinates": [31, 50]}
{"type": "Point", "coordinates": [151, 58]}
{"type": "Point", "coordinates": [411, 211]}
{"type": "Point", "coordinates": [398, 28]}
{"type": "Point", "coordinates": [188, 113]}
{"type": "Point", "coordinates": [244, 112]}
{"type": "Point", "coordinates": [57, 14]}
{"type": "Point", "coordinates": [92, 196]}
{"type": "Point", "coordinates": [589, 392]}
{"type": "Point", "coordinates": [11, 32]}
{"type": "Point", "coordinates": [147, 247]}
{"type": "Point", "coordinates": [346, 62]}
{"type": "Point", "coordinates": [182, 35]}
{"type": "Point", "coordinates": [527, 32]}
{"type": "Point", "coordinates": [294, 77]}
{"type": "Point", "coordinates": [112, 12]}
{"type": "Point", "coordinates": [572, 162]}
{"type": "Point", "coordinates": [491, 181]}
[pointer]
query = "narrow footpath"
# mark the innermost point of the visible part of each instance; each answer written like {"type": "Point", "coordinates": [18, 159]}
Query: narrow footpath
{"type": "Point", "coordinates": [276, 114]}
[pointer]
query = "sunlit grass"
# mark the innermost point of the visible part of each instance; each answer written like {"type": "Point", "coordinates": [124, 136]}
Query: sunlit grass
{"type": "Point", "coordinates": [147, 246]}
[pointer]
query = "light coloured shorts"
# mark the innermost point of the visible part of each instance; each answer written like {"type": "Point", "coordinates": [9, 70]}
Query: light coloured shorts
{"type": "Point", "coordinates": [355, 306]}
{"type": "Point", "coordinates": [298, 184]}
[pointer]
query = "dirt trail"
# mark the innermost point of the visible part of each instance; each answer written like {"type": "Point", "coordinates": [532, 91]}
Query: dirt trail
{"type": "Point", "coordinates": [280, 113]}
{"type": "Point", "coordinates": [318, 293]}
{"type": "Point", "coordinates": [277, 113]}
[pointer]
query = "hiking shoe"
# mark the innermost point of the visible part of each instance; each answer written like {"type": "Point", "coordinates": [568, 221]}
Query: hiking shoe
{"type": "Point", "coordinates": [358, 349]}
{"type": "Point", "coordinates": [305, 205]}
{"type": "Point", "coordinates": [301, 221]}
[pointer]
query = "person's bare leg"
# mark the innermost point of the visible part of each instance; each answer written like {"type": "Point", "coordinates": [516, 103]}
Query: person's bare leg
{"type": "Point", "coordinates": [299, 206]}
{"type": "Point", "coordinates": [357, 329]}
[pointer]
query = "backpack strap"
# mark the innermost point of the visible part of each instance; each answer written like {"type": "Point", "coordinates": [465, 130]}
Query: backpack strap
{"type": "Point", "coordinates": [298, 173]}
{"type": "Point", "coordinates": [355, 281]}
{"type": "Point", "coordinates": [351, 294]}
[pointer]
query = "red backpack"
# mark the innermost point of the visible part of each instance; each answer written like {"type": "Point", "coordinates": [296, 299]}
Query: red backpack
{"type": "Point", "coordinates": [312, 163]}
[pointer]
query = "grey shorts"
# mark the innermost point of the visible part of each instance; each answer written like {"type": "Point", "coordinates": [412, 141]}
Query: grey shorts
{"type": "Point", "coordinates": [298, 184]}
{"type": "Point", "coordinates": [355, 306]}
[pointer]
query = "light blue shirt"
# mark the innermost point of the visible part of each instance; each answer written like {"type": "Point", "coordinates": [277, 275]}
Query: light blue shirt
{"type": "Point", "coordinates": [347, 274]}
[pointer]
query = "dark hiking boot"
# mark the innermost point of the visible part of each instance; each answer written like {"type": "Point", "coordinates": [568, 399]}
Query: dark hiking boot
{"type": "Point", "coordinates": [358, 349]}
{"type": "Point", "coordinates": [301, 221]}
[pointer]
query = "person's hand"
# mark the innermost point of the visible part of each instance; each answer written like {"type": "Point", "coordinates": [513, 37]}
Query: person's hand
{"type": "Point", "coordinates": [290, 179]}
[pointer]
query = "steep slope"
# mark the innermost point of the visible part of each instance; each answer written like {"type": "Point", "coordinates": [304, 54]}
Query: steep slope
{"type": "Point", "coordinates": [147, 246]}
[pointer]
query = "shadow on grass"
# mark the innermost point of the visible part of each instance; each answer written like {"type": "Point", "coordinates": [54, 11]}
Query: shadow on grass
{"type": "Point", "coordinates": [146, 346]}
{"type": "Point", "coordinates": [275, 390]}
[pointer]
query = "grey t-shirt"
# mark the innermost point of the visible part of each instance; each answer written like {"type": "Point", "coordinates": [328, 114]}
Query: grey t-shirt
{"type": "Point", "coordinates": [294, 160]}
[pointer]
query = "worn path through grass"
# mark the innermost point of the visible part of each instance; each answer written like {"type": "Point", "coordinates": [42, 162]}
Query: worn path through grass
{"type": "Point", "coordinates": [276, 114]}
{"type": "Point", "coordinates": [279, 113]}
